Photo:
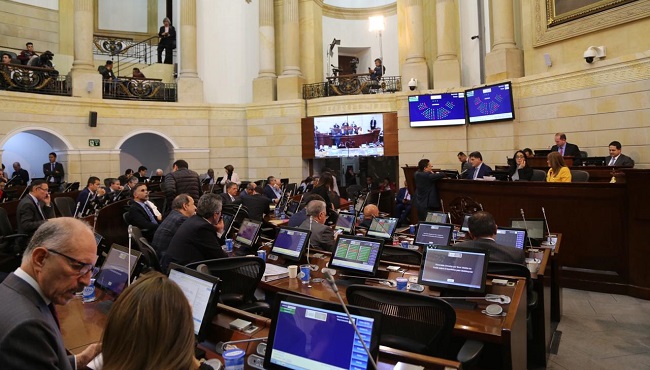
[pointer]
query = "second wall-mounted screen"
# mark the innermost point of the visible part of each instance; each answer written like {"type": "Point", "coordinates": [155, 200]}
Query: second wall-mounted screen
{"type": "Point", "coordinates": [443, 109]}
{"type": "Point", "coordinates": [490, 103]}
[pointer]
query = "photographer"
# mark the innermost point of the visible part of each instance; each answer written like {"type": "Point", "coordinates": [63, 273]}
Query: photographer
{"type": "Point", "coordinates": [45, 61]}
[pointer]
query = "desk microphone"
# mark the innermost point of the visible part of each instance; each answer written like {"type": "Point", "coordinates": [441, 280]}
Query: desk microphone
{"type": "Point", "coordinates": [481, 205]}
{"type": "Point", "coordinates": [332, 284]}
{"type": "Point", "coordinates": [76, 210]}
{"type": "Point", "coordinates": [130, 231]}
{"type": "Point", "coordinates": [548, 229]}
{"type": "Point", "coordinates": [521, 210]}
{"type": "Point", "coordinates": [95, 220]}
{"type": "Point", "coordinates": [442, 205]}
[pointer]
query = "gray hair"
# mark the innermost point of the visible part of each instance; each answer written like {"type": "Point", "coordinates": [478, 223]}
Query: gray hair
{"type": "Point", "coordinates": [209, 204]}
{"type": "Point", "coordinates": [315, 207]}
{"type": "Point", "coordinates": [55, 234]}
{"type": "Point", "coordinates": [167, 19]}
{"type": "Point", "coordinates": [180, 201]}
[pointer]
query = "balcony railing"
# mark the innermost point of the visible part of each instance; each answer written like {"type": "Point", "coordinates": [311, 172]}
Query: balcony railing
{"type": "Point", "coordinates": [16, 77]}
{"type": "Point", "coordinates": [127, 88]}
{"type": "Point", "coordinates": [352, 85]}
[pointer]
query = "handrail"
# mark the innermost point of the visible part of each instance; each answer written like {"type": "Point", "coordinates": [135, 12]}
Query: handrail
{"type": "Point", "coordinates": [143, 41]}
{"type": "Point", "coordinates": [127, 51]}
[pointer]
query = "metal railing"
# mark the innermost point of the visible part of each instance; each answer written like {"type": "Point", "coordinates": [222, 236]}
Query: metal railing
{"type": "Point", "coordinates": [139, 89]}
{"type": "Point", "coordinates": [127, 51]}
{"type": "Point", "coordinates": [352, 85]}
{"type": "Point", "coordinates": [16, 77]}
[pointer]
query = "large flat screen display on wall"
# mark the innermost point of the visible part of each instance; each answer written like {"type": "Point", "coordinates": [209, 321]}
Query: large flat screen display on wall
{"type": "Point", "coordinates": [490, 103]}
{"type": "Point", "coordinates": [359, 135]}
{"type": "Point", "coordinates": [443, 109]}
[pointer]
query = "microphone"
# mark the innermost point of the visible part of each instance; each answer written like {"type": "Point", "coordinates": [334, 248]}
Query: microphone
{"type": "Point", "coordinates": [332, 284]}
{"type": "Point", "coordinates": [548, 229]}
{"type": "Point", "coordinates": [521, 210]}
{"type": "Point", "coordinates": [442, 204]}
{"type": "Point", "coordinates": [76, 210]}
{"type": "Point", "coordinates": [130, 231]}
{"type": "Point", "coordinates": [481, 205]}
{"type": "Point", "coordinates": [95, 220]}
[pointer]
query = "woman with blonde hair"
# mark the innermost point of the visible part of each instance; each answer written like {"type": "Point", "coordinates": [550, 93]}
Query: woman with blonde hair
{"type": "Point", "coordinates": [558, 172]}
{"type": "Point", "coordinates": [150, 327]}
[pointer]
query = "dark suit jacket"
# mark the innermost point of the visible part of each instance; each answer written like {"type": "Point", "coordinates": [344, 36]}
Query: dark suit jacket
{"type": "Point", "coordinates": [23, 177]}
{"type": "Point", "coordinates": [28, 218]}
{"type": "Point", "coordinates": [525, 173]}
{"type": "Point", "coordinates": [498, 253]}
{"type": "Point", "coordinates": [167, 40]}
{"type": "Point", "coordinates": [225, 198]}
{"type": "Point", "coordinates": [195, 240]}
{"type": "Point", "coordinates": [623, 160]}
{"type": "Point", "coordinates": [322, 236]}
{"type": "Point", "coordinates": [297, 218]}
{"type": "Point", "coordinates": [426, 193]}
{"type": "Point", "coordinates": [57, 174]}
{"type": "Point", "coordinates": [138, 217]}
{"type": "Point", "coordinates": [570, 150]}
{"type": "Point", "coordinates": [258, 205]}
{"type": "Point", "coordinates": [484, 170]}
{"type": "Point", "coordinates": [268, 192]}
{"type": "Point", "coordinates": [29, 336]}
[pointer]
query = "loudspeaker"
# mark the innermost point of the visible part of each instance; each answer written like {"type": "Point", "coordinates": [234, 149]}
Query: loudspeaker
{"type": "Point", "coordinates": [92, 119]}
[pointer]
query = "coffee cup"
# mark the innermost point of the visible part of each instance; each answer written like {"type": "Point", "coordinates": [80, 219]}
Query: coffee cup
{"type": "Point", "coordinates": [293, 271]}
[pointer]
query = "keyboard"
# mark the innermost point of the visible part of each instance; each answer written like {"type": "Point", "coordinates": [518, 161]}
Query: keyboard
{"type": "Point", "coordinates": [275, 269]}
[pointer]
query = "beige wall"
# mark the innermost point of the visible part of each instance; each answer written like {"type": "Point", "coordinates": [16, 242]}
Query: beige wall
{"type": "Point", "coordinates": [20, 23]}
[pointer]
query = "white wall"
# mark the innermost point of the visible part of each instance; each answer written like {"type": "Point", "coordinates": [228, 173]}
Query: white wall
{"type": "Point", "coordinates": [355, 34]}
{"type": "Point", "coordinates": [228, 49]}
{"type": "Point", "coordinates": [123, 15]}
{"type": "Point", "coordinates": [49, 4]}
{"type": "Point", "coordinates": [29, 150]}
{"type": "Point", "coordinates": [149, 150]}
{"type": "Point", "coordinates": [470, 56]}
{"type": "Point", "coordinates": [358, 3]}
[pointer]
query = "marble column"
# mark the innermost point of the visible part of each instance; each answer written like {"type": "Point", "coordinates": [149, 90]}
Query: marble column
{"type": "Point", "coordinates": [86, 81]}
{"type": "Point", "coordinates": [291, 81]}
{"type": "Point", "coordinates": [505, 60]}
{"type": "Point", "coordinates": [446, 68]}
{"type": "Point", "coordinates": [190, 86]}
{"type": "Point", "coordinates": [415, 65]}
{"type": "Point", "coordinates": [264, 86]}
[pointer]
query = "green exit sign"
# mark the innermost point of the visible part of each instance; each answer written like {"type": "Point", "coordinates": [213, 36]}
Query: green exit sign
{"type": "Point", "coordinates": [93, 142]}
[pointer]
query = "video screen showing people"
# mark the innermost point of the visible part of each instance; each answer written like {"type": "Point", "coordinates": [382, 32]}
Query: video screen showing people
{"type": "Point", "coordinates": [349, 136]}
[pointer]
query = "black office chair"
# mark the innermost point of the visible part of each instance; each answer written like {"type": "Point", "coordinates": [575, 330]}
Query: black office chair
{"type": "Point", "coordinates": [9, 240]}
{"type": "Point", "coordinates": [239, 276]}
{"type": "Point", "coordinates": [149, 254]}
{"type": "Point", "coordinates": [538, 175]}
{"type": "Point", "coordinates": [414, 322]}
{"type": "Point", "coordinates": [401, 255]}
{"type": "Point", "coordinates": [66, 206]}
{"type": "Point", "coordinates": [579, 176]}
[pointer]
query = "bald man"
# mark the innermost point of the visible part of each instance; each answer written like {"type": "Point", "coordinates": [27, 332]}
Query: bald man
{"type": "Point", "coordinates": [369, 212]}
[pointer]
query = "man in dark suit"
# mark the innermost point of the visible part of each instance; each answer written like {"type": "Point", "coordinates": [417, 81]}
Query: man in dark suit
{"type": "Point", "coordinates": [257, 204]}
{"type": "Point", "coordinates": [566, 149]}
{"type": "Point", "coordinates": [141, 214]}
{"type": "Point", "coordinates": [89, 198]}
{"type": "Point", "coordinates": [34, 209]}
{"type": "Point", "coordinates": [464, 164]}
{"type": "Point", "coordinates": [182, 208]}
{"type": "Point", "coordinates": [403, 205]}
{"type": "Point", "coordinates": [57, 263]}
{"type": "Point", "coordinates": [197, 238]}
{"type": "Point", "coordinates": [479, 169]}
{"type": "Point", "coordinates": [373, 123]}
{"type": "Point", "coordinates": [142, 174]}
{"type": "Point", "coordinates": [23, 175]}
{"type": "Point", "coordinates": [53, 171]}
{"type": "Point", "coordinates": [272, 189]}
{"type": "Point", "coordinates": [230, 196]}
{"type": "Point", "coordinates": [482, 230]}
{"type": "Point", "coordinates": [322, 236]}
{"type": "Point", "coordinates": [115, 191]}
{"type": "Point", "coordinates": [616, 158]}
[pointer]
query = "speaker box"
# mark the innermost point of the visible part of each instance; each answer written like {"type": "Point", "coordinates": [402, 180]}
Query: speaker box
{"type": "Point", "coordinates": [92, 119]}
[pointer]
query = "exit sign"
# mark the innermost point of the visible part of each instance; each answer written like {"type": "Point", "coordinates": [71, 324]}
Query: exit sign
{"type": "Point", "coordinates": [93, 142]}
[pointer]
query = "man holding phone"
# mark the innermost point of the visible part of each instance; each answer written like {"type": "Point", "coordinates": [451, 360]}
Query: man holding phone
{"type": "Point", "coordinates": [34, 210]}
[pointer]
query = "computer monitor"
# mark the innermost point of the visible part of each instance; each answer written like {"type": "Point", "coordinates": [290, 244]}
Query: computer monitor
{"type": "Point", "coordinates": [248, 232]}
{"type": "Point", "coordinates": [113, 275]}
{"type": "Point", "coordinates": [437, 217]}
{"type": "Point", "coordinates": [291, 243]}
{"type": "Point", "coordinates": [511, 237]}
{"type": "Point", "coordinates": [291, 188]}
{"type": "Point", "coordinates": [454, 269]}
{"type": "Point", "coordinates": [312, 334]}
{"type": "Point", "coordinates": [465, 226]}
{"type": "Point", "coordinates": [345, 222]}
{"type": "Point", "coordinates": [361, 202]}
{"type": "Point", "coordinates": [282, 203]}
{"type": "Point", "coordinates": [202, 291]}
{"type": "Point", "coordinates": [357, 255]}
{"type": "Point", "coordinates": [227, 223]}
{"type": "Point", "coordinates": [536, 227]}
{"type": "Point", "coordinates": [433, 233]}
{"type": "Point", "coordinates": [98, 239]}
{"type": "Point", "coordinates": [382, 227]}
{"type": "Point", "coordinates": [293, 207]}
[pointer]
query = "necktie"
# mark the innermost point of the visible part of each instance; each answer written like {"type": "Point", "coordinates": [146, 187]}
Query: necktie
{"type": "Point", "coordinates": [52, 167]}
{"type": "Point", "coordinates": [53, 311]}
{"type": "Point", "coordinates": [38, 206]}
{"type": "Point", "coordinates": [562, 151]}
{"type": "Point", "coordinates": [612, 161]}
{"type": "Point", "coordinates": [475, 173]}
{"type": "Point", "coordinates": [150, 214]}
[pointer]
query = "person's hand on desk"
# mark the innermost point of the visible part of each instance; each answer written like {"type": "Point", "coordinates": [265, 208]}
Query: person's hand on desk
{"type": "Point", "coordinates": [88, 354]}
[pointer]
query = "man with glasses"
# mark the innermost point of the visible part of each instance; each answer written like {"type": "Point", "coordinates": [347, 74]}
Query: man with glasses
{"type": "Point", "coordinates": [58, 262]}
{"type": "Point", "coordinates": [197, 239]}
{"type": "Point", "coordinates": [34, 209]}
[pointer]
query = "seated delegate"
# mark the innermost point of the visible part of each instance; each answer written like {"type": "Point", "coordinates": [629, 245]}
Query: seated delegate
{"type": "Point", "coordinates": [558, 172]}
{"type": "Point", "coordinates": [520, 169]}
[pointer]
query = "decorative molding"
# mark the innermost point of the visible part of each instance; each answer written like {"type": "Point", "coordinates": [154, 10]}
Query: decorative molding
{"type": "Point", "coordinates": [544, 34]}
{"type": "Point", "coordinates": [553, 19]}
{"type": "Point", "coordinates": [358, 13]}
{"type": "Point", "coordinates": [186, 150]}
{"type": "Point", "coordinates": [31, 129]}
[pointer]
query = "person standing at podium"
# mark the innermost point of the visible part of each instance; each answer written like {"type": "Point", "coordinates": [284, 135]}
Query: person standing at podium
{"type": "Point", "coordinates": [426, 193]}
{"type": "Point", "coordinates": [566, 149]}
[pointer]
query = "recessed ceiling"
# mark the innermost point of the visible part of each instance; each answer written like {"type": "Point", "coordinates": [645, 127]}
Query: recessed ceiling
{"type": "Point", "coordinates": [358, 4]}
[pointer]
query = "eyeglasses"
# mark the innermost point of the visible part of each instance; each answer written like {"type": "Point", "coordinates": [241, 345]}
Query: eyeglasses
{"type": "Point", "coordinates": [82, 268]}
{"type": "Point", "coordinates": [44, 189]}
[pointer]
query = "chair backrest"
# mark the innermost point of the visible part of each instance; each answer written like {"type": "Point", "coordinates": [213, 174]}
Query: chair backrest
{"type": "Point", "coordinates": [511, 269]}
{"type": "Point", "coordinates": [411, 322]}
{"type": "Point", "coordinates": [149, 254]}
{"type": "Point", "coordinates": [5, 224]}
{"type": "Point", "coordinates": [579, 176]}
{"type": "Point", "coordinates": [584, 154]}
{"type": "Point", "coordinates": [538, 175]}
{"type": "Point", "coordinates": [401, 255]}
{"type": "Point", "coordinates": [239, 276]}
{"type": "Point", "coordinates": [136, 236]}
{"type": "Point", "coordinates": [65, 205]}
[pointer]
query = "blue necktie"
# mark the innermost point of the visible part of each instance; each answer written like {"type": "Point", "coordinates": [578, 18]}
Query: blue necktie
{"type": "Point", "coordinates": [149, 213]}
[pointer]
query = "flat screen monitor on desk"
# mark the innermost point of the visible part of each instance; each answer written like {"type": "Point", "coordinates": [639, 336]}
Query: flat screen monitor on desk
{"type": "Point", "coordinates": [437, 217]}
{"type": "Point", "coordinates": [290, 243]}
{"type": "Point", "coordinates": [357, 255]}
{"type": "Point", "coordinates": [382, 227]}
{"type": "Point", "coordinates": [113, 275]}
{"type": "Point", "coordinates": [202, 291]}
{"type": "Point", "coordinates": [345, 222]}
{"type": "Point", "coordinates": [511, 237]}
{"type": "Point", "coordinates": [312, 334]}
{"type": "Point", "coordinates": [536, 227]}
{"type": "Point", "coordinates": [454, 269]}
{"type": "Point", "coordinates": [433, 233]}
{"type": "Point", "coordinates": [248, 231]}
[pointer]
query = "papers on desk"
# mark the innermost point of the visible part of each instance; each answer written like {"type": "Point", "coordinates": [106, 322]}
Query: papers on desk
{"type": "Point", "coordinates": [274, 272]}
{"type": "Point", "coordinates": [97, 363]}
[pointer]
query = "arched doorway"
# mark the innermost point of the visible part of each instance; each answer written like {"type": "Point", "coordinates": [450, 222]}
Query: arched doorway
{"type": "Point", "coordinates": [146, 148]}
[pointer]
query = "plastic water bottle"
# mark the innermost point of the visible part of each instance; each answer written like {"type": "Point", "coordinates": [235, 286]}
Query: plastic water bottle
{"type": "Point", "coordinates": [361, 217]}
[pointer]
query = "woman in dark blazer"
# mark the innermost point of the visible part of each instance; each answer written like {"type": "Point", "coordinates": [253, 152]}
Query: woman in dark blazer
{"type": "Point", "coordinates": [167, 41]}
{"type": "Point", "coordinates": [520, 169]}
